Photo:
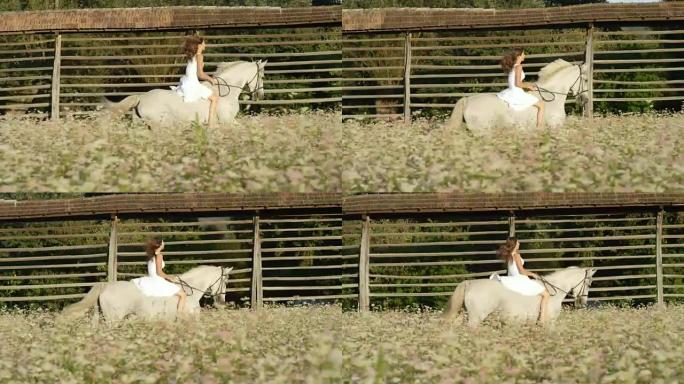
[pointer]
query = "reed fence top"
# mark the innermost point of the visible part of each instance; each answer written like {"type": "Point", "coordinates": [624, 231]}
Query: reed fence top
{"type": "Point", "coordinates": [406, 19]}
{"type": "Point", "coordinates": [156, 203]}
{"type": "Point", "coordinates": [380, 203]}
{"type": "Point", "coordinates": [474, 202]}
{"type": "Point", "coordinates": [166, 18]}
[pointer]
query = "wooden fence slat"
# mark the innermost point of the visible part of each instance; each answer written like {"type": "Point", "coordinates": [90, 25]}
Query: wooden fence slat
{"type": "Point", "coordinates": [257, 293]}
{"type": "Point", "coordinates": [112, 265]}
{"type": "Point", "coordinates": [407, 79]}
{"type": "Point", "coordinates": [45, 286]}
{"type": "Point", "coordinates": [589, 60]}
{"type": "Point", "coordinates": [364, 266]}
{"type": "Point", "coordinates": [305, 298]}
{"type": "Point", "coordinates": [52, 257]}
{"type": "Point", "coordinates": [58, 276]}
{"type": "Point", "coordinates": [42, 298]}
{"type": "Point", "coordinates": [659, 257]}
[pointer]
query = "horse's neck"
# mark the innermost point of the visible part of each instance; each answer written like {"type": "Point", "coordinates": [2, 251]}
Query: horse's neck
{"type": "Point", "coordinates": [564, 281]}
{"type": "Point", "coordinates": [236, 77]}
{"type": "Point", "coordinates": [200, 281]}
{"type": "Point", "coordinates": [561, 86]}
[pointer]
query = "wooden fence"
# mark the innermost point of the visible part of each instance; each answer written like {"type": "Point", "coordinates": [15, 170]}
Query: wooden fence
{"type": "Point", "coordinates": [276, 258]}
{"type": "Point", "coordinates": [69, 72]}
{"type": "Point", "coordinates": [382, 259]}
{"type": "Point", "coordinates": [635, 253]}
{"type": "Point", "coordinates": [396, 75]}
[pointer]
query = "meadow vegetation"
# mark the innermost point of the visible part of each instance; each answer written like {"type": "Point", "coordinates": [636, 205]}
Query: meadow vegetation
{"type": "Point", "coordinates": [615, 153]}
{"type": "Point", "coordinates": [295, 152]}
{"type": "Point", "coordinates": [327, 345]}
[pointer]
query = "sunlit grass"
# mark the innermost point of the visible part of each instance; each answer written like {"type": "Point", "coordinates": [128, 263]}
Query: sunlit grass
{"type": "Point", "coordinates": [262, 153]}
{"type": "Point", "coordinates": [614, 154]}
{"type": "Point", "coordinates": [327, 345]}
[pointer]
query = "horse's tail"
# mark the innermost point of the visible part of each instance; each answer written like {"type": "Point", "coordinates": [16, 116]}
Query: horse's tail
{"type": "Point", "coordinates": [81, 307]}
{"type": "Point", "coordinates": [122, 106]}
{"type": "Point", "coordinates": [457, 114]}
{"type": "Point", "coordinates": [456, 301]}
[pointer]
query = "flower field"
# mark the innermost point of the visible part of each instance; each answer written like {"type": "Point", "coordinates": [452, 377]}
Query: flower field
{"type": "Point", "coordinates": [635, 153]}
{"type": "Point", "coordinates": [326, 345]}
{"type": "Point", "coordinates": [264, 153]}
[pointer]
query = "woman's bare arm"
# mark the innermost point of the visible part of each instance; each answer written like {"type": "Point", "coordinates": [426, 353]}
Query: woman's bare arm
{"type": "Point", "coordinates": [518, 79]}
{"type": "Point", "coordinates": [521, 268]}
{"type": "Point", "coordinates": [200, 70]}
{"type": "Point", "coordinates": [158, 259]}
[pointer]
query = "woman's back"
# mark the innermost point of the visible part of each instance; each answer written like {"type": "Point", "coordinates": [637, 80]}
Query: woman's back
{"type": "Point", "coordinates": [513, 268]}
{"type": "Point", "coordinates": [191, 70]}
{"type": "Point", "coordinates": [152, 267]}
{"type": "Point", "coordinates": [511, 77]}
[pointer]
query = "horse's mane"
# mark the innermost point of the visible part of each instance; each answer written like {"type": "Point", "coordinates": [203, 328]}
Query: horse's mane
{"type": "Point", "coordinates": [200, 269]}
{"type": "Point", "coordinates": [561, 271]}
{"type": "Point", "coordinates": [225, 66]}
{"type": "Point", "coordinates": [551, 69]}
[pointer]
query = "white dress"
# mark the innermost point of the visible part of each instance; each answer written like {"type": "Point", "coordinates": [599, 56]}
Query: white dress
{"type": "Point", "coordinates": [153, 284]}
{"type": "Point", "coordinates": [516, 97]}
{"type": "Point", "coordinates": [517, 282]}
{"type": "Point", "coordinates": [190, 89]}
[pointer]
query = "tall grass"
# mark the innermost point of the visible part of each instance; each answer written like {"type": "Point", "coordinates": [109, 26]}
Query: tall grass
{"type": "Point", "coordinates": [263, 153]}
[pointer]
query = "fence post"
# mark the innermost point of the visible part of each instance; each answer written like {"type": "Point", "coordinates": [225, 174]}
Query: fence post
{"type": "Point", "coordinates": [407, 78]}
{"type": "Point", "coordinates": [659, 257]}
{"type": "Point", "coordinates": [257, 282]}
{"type": "Point", "coordinates": [112, 266]}
{"type": "Point", "coordinates": [56, 69]}
{"type": "Point", "coordinates": [511, 224]}
{"type": "Point", "coordinates": [589, 59]}
{"type": "Point", "coordinates": [364, 250]}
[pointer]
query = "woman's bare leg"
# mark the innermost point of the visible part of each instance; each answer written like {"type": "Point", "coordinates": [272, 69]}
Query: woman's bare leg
{"type": "Point", "coordinates": [213, 99]}
{"type": "Point", "coordinates": [543, 315]}
{"type": "Point", "coordinates": [540, 113]}
{"type": "Point", "coordinates": [181, 302]}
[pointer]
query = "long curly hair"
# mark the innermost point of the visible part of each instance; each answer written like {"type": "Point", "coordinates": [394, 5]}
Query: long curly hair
{"type": "Point", "coordinates": [190, 46]}
{"type": "Point", "coordinates": [151, 245]}
{"type": "Point", "coordinates": [505, 251]}
{"type": "Point", "coordinates": [508, 60]}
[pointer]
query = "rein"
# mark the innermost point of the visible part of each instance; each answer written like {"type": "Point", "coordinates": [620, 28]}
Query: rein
{"type": "Point", "coordinates": [221, 82]}
{"type": "Point", "coordinates": [557, 288]}
{"type": "Point", "coordinates": [185, 284]}
{"type": "Point", "coordinates": [553, 94]}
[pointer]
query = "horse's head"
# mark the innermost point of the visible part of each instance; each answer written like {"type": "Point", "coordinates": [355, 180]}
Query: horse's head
{"type": "Point", "coordinates": [218, 290]}
{"type": "Point", "coordinates": [256, 84]}
{"type": "Point", "coordinates": [580, 88]}
{"type": "Point", "coordinates": [581, 291]}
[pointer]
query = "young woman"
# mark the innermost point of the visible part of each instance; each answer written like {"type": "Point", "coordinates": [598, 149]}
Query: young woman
{"type": "Point", "coordinates": [514, 95]}
{"type": "Point", "coordinates": [190, 88]}
{"type": "Point", "coordinates": [157, 283]}
{"type": "Point", "coordinates": [518, 279]}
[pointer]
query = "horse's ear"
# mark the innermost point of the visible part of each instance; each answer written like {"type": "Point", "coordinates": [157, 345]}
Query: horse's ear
{"type": "Point", "coordinates": [592, 271]}
{"type": "Point", "coordinates": [227, 270]}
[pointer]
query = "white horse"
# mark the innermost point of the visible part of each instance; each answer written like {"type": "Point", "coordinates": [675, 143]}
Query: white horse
{"type": "Point", "coordinates": [484, 296]}
{"type": "Point", "coordinates": [485, 111]}
{"type": "Point", "coordinates": [165, 106]}
{"type": "Point", "coordinates": [119, 299]}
